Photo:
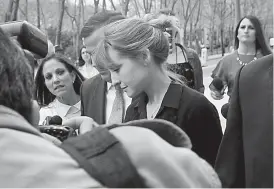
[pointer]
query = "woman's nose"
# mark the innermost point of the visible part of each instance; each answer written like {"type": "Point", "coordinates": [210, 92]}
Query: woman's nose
{"type": "Point", "coordinates": [114, 78]}
{"type": "Point", "coordinates": [55, 79]}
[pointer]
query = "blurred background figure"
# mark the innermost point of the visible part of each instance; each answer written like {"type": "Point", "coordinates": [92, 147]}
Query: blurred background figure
{"type": "Point", "coordinates": [135, 53]}
{"type": "Point", "coordinates": [85, 65]}
{"type": "Point", "coordinates": [250, 45]}
{"type": "Point", "coordinates": [58, 88]}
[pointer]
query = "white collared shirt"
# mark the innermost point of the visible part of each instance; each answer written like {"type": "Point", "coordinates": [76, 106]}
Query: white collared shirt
{"type": "Point", "coordinates": [60, 109]}
{"type": "Point", "coordinates": [110, 96]}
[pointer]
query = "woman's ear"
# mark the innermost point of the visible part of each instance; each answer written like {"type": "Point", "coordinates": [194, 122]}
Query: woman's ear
{"type": "Point", "coordinates": [146, 57]}
{"type": "Point", "coordinates": [73, 76]}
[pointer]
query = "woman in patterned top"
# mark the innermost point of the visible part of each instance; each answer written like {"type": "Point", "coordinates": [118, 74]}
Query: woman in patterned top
{"type": "Point", "coordinates": [250, 45]}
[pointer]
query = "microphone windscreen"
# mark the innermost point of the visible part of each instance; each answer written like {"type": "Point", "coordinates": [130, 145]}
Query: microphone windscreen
{"type": "Point", "coordinates": [224, 110]}
{"type": "Point", "coordinates": [55, 120]}
{"type": "Point", "coordinates": [218, 84]}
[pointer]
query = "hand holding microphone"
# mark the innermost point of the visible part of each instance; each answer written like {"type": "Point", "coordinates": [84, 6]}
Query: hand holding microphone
{"type": "Point", "coordinates": [217, 89]}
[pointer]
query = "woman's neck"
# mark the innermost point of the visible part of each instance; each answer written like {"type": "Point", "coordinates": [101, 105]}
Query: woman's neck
{"type": "Point", "coordinates": [247, 49]}
{"type": "Point", "coordinates": [157, 87]}
{"type": "Point", "coordinates": [69, 99]}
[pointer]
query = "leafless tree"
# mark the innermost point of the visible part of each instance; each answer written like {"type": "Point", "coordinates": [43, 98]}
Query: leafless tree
{"type": "Point", "coordinates": [9, 11]}
{"type": "Point", "coordinates": [185, 13]}
{"type": "Point", "coordinates": [11, 14]}
{"type": "Point", "coordinates": [60, 22]}
{"type": "Point", "coordinates": [104, 5]}
{"type": "Point", "coordinates": [38, 13]}
{"type": "Point", "coordinates": [137, 8]}
{"type": "Point", "coordinates": [147, 6]}
{"type": "Point", "coordinates": [112, 4]}
{"type": "Point", "coordinates": [96, 6]}
{"type": "Point", "coordinates": [173, 4]}
{"type": "Point", "coordinates": [26, 10]}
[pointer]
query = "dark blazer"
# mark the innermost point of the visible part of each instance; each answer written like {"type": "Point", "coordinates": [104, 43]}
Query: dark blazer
{"type": "Point", "coordinates": [192, 112]}
{"type": "Point", "coordinates": [93, 98]}
{"type": "Point", "coordinates": [245, 157]}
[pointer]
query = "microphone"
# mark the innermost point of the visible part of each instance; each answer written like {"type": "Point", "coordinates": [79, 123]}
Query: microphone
{"type": "Point", "coordinates": [224, 110]}
{"type": "Point", "coordinates": [55, 120]}
{"type": "Point", "coordinates": [218, 84]}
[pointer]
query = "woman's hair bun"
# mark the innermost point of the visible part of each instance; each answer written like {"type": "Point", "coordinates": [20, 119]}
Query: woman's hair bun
{"type": "Point", "coordinates": [161, 24]}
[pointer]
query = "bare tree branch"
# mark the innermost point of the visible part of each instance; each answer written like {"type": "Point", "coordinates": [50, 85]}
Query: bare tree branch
{"type": "Point", "coordinates": [112, 4]}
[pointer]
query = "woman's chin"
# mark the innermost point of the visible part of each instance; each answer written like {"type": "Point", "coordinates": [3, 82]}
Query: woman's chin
{"type": "Point", "coordinates": [131, 93]}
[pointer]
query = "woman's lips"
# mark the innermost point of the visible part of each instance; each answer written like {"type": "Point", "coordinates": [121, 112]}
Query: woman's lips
{"type": "Point", "coordinates": [58, 87]}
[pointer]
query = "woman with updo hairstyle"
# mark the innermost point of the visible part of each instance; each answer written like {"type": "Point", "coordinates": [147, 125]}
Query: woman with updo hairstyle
{"type": "Point", "coordinates": [135, 53]}
{"type": "Point", "coordinates": [182, 61]}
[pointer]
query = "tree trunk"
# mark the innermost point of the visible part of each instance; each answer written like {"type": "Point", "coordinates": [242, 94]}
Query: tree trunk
{"type": "Point", "coordinates": [137, 9]}
{"type": "Point", "coordinates": [222, 41]}
{"type": "Point", "coordinates": [104, 5]}
{"type": "Point", "coordinates": [83, 12]}
{"type": "Point", "coordinates": [26, 10]}
{"type": "Point", "coordinates": [9, 11]}
{"type": "Point", "coordinates": [78, 26]}
{"type": "Point", "coordinates": [161, 4]}
{"type": "Point", "coordinates": [126, 7]}
{"type": "Point", "coordinates": [112, 4]}
{"type": "Point", "coordinates": [38, 14]}
{"type": "Point", "coordinates": [60, 22]}
{"type": "Point", "coordinates": [238, 11]}
{"type": "Point", "coordinates": [96, 4]}
{"type": "Point", "coordinates": [15, 10]}
{"type": "Point", "coordinates": [185, 41]}
{"type": "Point", "coordinates": [173, 5]}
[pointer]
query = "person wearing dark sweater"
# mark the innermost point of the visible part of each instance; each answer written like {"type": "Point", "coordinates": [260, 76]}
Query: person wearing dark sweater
{"type": "Point", "coordinates": [189, 110]}
{"type": "Point", "coordinates": [135, 53]}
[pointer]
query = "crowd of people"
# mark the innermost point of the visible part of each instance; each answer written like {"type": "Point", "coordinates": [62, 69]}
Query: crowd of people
{"type": "Point", "coordinates": [141, 119]}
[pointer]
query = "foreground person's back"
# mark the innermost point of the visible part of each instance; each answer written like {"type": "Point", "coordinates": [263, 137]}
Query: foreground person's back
{"type": "Point", "coordinates": [28, 160]}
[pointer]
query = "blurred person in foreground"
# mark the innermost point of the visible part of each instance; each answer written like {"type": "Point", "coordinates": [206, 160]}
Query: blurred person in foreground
{"type": "Point", "coordinates": [135, 52]}
{"type": "Point", "coordinates": [29, 160]}
{"type": "Point", "coordinates": [245, 157]}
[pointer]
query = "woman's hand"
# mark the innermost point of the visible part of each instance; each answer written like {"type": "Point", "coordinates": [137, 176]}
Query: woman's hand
{"type": "Point", "coordinates": [83, 123]}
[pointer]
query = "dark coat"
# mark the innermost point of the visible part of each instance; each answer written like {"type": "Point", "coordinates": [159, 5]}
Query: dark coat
{"type": "Point", "coordinates": [93, 99]}
{"type": "Point", "coordinates": [245, 157]}
{"type": "Point", "coordinates": [189, 110]}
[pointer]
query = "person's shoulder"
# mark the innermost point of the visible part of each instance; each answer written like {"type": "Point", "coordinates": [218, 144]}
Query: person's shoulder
{"type": "Point", "coordinates": [91, 81]}
{"type": "Point", "coordinates": [191, 53]}
{"type": "Point", "coordinates": [257, 68]}
{"type": "Point", "coordinates": [194, 98]}
{"type": "Point", "coordinates": [230, 57]}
